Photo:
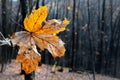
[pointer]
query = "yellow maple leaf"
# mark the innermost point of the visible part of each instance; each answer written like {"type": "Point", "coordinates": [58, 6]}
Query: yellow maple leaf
{"type": "Point", "coordinates": [34, 22]}
{"type": "Point", "coordinates": [44, 36]}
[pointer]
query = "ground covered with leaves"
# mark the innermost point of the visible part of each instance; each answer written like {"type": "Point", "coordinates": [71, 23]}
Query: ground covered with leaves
{"type": "Point", "coordinates": [44, 73]}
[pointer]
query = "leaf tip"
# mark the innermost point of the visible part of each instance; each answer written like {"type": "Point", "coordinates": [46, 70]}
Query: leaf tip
{"type": "Point", "coordinates": [66, 21]}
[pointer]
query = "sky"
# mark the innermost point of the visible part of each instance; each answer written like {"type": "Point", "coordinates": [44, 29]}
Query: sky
{"type": "Point", "coordinates": [14, 0]}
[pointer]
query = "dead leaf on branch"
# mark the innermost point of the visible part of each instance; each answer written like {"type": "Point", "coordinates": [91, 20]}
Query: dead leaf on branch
{"type": "Point", "coordinates": [27, 54]}
{"type": "Point", "coordinates": [44, 36]}
{"type": "Point", "coordinates": [41, 35]}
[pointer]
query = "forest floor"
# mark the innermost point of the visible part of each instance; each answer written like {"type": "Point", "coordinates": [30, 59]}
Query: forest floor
{"type": "Point", "coordinates": [44, 73]}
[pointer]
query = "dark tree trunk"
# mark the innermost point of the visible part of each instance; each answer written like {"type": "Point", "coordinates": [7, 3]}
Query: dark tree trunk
{"type": "Point", "coordinates": [37, 4]}
{"type": "Point", "coordinates": [90, 33]}
{"type": "Point", "coordinates": [4, 21]}
{"type": "Point", "coordinates": [24, 11]}
{"type": "Point", "coordinates": [30, 76]}
{"type": "Point", "coordinates": [102, 26]}
{"type": "Point", "coordinates": [74, 39]}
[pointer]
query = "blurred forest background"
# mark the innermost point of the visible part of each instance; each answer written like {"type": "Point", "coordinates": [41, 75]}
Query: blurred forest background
{"type": "Point", "coordinates": [92, 38]}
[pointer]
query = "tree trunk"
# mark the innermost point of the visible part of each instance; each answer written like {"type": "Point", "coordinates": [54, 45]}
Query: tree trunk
{"type": "Point", "coordinates": [90, 33]}
{"type": "Point", "coordinates": [4, 33]}
{"type": "Point", "coordinates": [24, 11]}
{"type": "Point", "coordinates": [30, 76]}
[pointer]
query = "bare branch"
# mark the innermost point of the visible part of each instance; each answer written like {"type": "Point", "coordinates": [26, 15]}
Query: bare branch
{"type": "Point", "coordinates": [5, 41]}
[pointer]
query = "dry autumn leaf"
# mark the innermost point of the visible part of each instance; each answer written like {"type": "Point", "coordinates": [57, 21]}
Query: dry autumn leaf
{"type": "Point", "coordinates": [54, 45]}
{"type": "Point", "coordinates": [29, 60]}
{"type": "Point", "coordinates": [27, 54]}
{"type": "Point", "coordinates": [37, 34]}
{"type": "Point", "coordinates": [53, 27]}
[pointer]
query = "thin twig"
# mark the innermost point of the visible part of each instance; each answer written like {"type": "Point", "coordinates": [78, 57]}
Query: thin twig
{"type": "Point", "coordinates": [7, 41]}
{"type": "Point", "coordinates": [16, 23]}
{"type": "Point", "coordinates": [2, 35]}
